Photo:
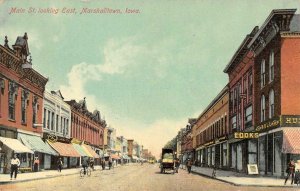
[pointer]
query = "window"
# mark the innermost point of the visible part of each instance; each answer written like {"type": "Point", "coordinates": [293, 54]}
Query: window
{"type": "Point", "coordinates": [250, 86]}
{"type": "Point", "coordinates": [34, 109]}
{"type": "Point", "coordinates": [271, 66]}
{"type": "Point", "coordinates": [248, 117]}
{"type": "Point", "coordinates": [233, 122]}
{"type": "Point", "coordinates": [262, 74]}
{"type": "Point", "coordinates": [2, 86]}
{"type": "Point", "coordinates": [67, 126]}
{"type": "Point", "coordinates": [48, 120]}
{"type": "Point", "coordinates": [271, 104]}
{"type": "Point", "coordinates": [23, 106]}
{"type": "Point", "coordinates": [52, 121]}
{"type": "Point", "coordinates": [56, 123]}
{"type": "Point", "coordinates": [262, 109]}
{"type": "Point", "coordinates": [44, 121]}
{"type": "Point", "coordinates": [11, 100]}
{"type": "Point", "coordinates": [61, 124]}
{"type": "Point", "coordinates": [235, 99]}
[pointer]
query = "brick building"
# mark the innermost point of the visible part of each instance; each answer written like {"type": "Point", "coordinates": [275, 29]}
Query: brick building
{"type": "Point", "coordinates": [264, 90]}
{"type": "Point", "coordinates": [210, 133]}
{"type": "Point", "coordinates": [21, 103]}
{"type": "Point", "coordinates": [87, 127]}
{"type": "Point", "coordinates": [276, 48]}
{"type": "Point", "coordinates": [241, 105]}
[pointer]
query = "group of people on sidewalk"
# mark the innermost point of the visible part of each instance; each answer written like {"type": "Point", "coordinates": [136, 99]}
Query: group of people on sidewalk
{"type": "Point", "coordinates": [293, 171]}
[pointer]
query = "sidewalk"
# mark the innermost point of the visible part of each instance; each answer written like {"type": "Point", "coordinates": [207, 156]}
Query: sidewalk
{"type": "Point", "coordinates": [23, 177]}
{"type": "Point", "coordinates": [239, 179]}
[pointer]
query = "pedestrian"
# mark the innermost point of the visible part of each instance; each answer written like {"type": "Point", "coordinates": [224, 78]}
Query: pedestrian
{"type": "Point", "coordinates": [14, 165]}
{"type": "Point", "coordinates": [189, 165]}
{"type": "Point", "coordinates": [109, 163]}
{"type": "Point", "coordinates": [84, 165]}
{"type": "Point", "coordinates": [290, 171]}
{"type": "Point", "coordinates": [103, 163]}
{"type": "Point", "coordinates": [92, 163]}
{"type": "Point", "coordinates": [59, 164]}
{"type": "Point", "coordinates": [177, 164]}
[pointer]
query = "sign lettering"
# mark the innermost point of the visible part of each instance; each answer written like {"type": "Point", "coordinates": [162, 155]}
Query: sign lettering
{"type": "Point", "coordinates": [246, 135]}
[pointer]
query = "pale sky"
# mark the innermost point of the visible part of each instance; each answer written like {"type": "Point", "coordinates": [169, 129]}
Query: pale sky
{"type": "Point", "coordinates": [148, 72]}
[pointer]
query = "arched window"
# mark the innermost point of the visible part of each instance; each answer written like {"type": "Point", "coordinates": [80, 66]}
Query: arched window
{"type": "Point", "coordinates": [271, 103]}
{"type": "Point", "coordinates": [262, 73]}
{"type": "Point", "coordinates": [262, 109]}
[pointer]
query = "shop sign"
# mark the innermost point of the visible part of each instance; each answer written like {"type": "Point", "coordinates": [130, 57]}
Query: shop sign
{"type": "Point", "coordinates": [221, 139]}
{"type": "Point", "coordinates": [54, 138]}
{"type": "Point", "coordinates": [290, 120]}
{"type": "Point", "coordinates": [76, 141]}
{"type": "Point", "coordinates": [252, 169]}
{"type": "Point", "coordinates": [209, 143]}
{"type": "Point", "coordinates": [246, 135]}
{"type": "Point", "coordinates": [266, 126]}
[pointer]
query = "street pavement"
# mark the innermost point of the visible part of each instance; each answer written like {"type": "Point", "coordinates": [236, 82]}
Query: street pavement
{"type": "Point", "coordinates": [134, 177]}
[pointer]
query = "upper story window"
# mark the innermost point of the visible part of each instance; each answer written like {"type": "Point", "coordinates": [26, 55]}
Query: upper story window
{"type": "Point", "coordinates": [262, 73]}
{"type": "Point", "coordinates": [48, 120]}
{"type": "Point", "coordinates": [250, 83]}
{"type": "Point", "coordinates": [262, 109]}
{"type": "Point", "coordinates": [34, 110]}
{"type": "Point", "coordinates": [271, 104]}
{"type": "Point", "coordinates": [248, 117]}
{"type": "Point", "coordinates": [56, 123]}
{"type": "Point", "coordinates": [44, 120]}
{"type": "Point", "coordinates": [233, 122]}
{"type": "Point", "coordinates": [24, 98]}
{"type": "Point", "coordinates": [2, 85]}
{"type": "Point", "coordinates": [12, 96]}
{"type": "Point", "coordinates": [271, 66]}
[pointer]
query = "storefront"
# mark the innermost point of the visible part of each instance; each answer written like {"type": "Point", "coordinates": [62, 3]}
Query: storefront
{"type": "Point", "coordinates": [67, 152]}
{"type": "Point", "coordinates": [83, 153]}
{"type": "Point", "coordinates": [8, 148]}
{"type": "Point", "coordinates": [42, 151]}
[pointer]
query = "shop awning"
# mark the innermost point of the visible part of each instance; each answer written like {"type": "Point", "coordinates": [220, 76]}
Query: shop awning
{"type": "Point", "coordinates": [291, 141]}
{"type": "Point", "coordinates": [125, 157]}
{"type": "Point", "coordinates": [135, 158]}
{"type": "Point", "coordinates": [35, 143]}
{"type": "Point", "coordinates": [82, 151]}
{"type": "Point", "coordinates": [64, 149]}
{"type": "Point", "coordinates": [15, 145]}
{"type": "Point", "coordinates": [91, 151]}
{"type": "Point", "coordinates": [114, 156]}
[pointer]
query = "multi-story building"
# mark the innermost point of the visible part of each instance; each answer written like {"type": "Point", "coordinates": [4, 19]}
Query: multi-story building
{"type": "Point", "coordinates": [264, 106]}
{"type": "Point", "coordinates": [210, 133]}
{"type": "Point", "coordinates": [56, 124]}
{"type": "Point", "coordinates": [241, 105]}
{"type": "Point", "coordinates": [187, 149]}
{"type": "Point", "coordinates": [87, 127]}
{"type": "Point", "coordinates": [276, 90]}
{"type": "Point", "coordinates": [21, 103]}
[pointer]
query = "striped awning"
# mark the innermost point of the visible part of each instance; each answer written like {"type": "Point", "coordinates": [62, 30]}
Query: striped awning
{"type": "Point", "coordinates": [15, 145]}
{"type": "Point", "coordinates": [291, 141]}
{"type": "Point", "coordinates": [82, 151]}
{"type": "Point", "coordinates": [114, 156]}
{"type": "Point", "coordinates": [91, 151]}
{"type": "Point", "coordinates": [64, 149]}
{"type": "Point", "coordinates": [35, 143]}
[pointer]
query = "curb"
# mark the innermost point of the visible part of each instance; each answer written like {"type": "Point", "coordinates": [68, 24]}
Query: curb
{"type": "Point", "coordinates": [32, 179]}
{"type": "Point", "coordinates": [245, 185]}
{"type": "Point", "coordinates": [38, 178]}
